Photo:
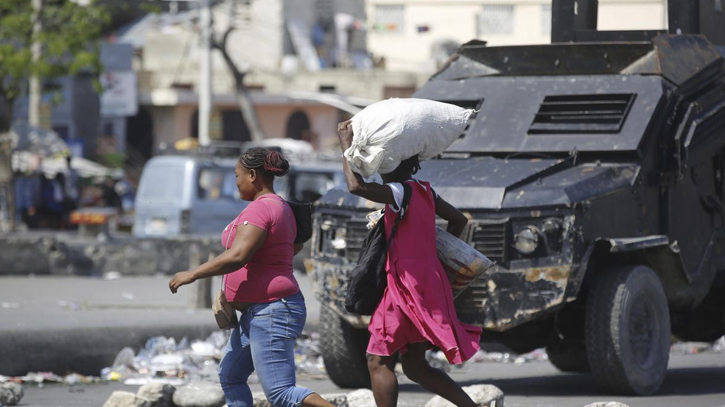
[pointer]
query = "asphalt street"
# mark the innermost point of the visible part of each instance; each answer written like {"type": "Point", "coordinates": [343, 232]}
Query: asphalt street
{"type": "Point", "coordinates": [77, 303]}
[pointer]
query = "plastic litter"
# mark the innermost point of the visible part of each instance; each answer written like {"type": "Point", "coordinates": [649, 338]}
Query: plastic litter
{"type": "Point", "coordinates": [9, 305]}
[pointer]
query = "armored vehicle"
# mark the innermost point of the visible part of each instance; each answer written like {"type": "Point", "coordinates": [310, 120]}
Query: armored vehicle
{"type": "Point", "coordinates": [593, 175]}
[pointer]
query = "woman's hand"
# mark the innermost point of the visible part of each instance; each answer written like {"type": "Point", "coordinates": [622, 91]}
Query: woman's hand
{"type": "Point", "coordinates": [344, 132]}
{"type": "Point", "coordinates": [181, 278]}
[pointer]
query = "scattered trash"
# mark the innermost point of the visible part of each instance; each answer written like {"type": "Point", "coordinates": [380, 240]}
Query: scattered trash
{"type": "Point", "coordinates": [691, 348]}
{"type": "Point", "coordinates": [437, 360]}
{"type": "Point", "coordinates": [719, 345]}
{"type": "Point", "coordinates": [308, 359]}
{"type": "Point", "coordinates": [112, 275]}
{"type": "Point", "coordinates": [9, 305]}
{"type": "Point", "coordinates": [73, 305]}
{"type": "Point", "coordinates": [127, 295]}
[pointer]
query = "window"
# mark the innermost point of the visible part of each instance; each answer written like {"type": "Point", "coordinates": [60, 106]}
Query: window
{"type": "Point", "coordinates": [390, 18]}
{"type": "Point", "coordinates": [497, 19]}
{"type": "Point", "coordinates": [217, 183]}
{"type": "Point", "coordinates": [546, 20]}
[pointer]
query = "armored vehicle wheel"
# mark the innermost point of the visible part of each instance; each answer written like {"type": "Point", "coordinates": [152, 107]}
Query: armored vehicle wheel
{"type": "Point", "coordinates": [628, 330]}
{"type": "Point", "coordinates": [568, 357]}
{"type": "Point", "coordinates": [343, 351]}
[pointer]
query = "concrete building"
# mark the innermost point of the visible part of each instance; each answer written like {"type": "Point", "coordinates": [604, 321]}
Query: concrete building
{"type": "Point", "coordinates": [418, 35]}
{"type": "Point", "coordinates": [297, 53]}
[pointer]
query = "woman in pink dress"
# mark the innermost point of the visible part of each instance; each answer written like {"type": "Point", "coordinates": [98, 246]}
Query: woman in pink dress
{"type": "Point", "coordinates": [417, 310]}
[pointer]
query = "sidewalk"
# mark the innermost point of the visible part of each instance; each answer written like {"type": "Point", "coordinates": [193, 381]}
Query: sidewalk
{"type": "Point", "coordinates": [79, 324]}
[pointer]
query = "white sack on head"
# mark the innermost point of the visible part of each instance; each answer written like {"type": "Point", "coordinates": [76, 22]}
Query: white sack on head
{"type": "Point", "coordinates": [388, 132]}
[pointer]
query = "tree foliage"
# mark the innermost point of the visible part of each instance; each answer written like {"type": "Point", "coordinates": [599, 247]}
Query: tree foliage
{"type": "Point", "coordinates": [69, 41]}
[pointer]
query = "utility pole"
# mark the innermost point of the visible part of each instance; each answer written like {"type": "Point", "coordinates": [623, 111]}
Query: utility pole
{"type": "Point", "coordinates": [35, 49]}
{"type": "Point", "coordinates": [205, 101]}
{"type": "Point", "coordinates": [205, 72]}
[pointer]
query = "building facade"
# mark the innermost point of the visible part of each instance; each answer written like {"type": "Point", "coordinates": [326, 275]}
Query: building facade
{"type": "Point", "coordinates": [297, 54]}
{"type": "Point", "coordinates": [417, 35]}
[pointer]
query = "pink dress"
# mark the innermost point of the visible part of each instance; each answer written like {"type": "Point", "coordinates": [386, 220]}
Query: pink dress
{"type": "Point", "coordinates": [418, 306]}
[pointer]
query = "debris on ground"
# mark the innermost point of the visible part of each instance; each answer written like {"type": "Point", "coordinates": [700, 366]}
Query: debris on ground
{"type": "Point", "coordinates": [506, 357]}
{"type": "Point", "coordinates": [199, 394]}
{"type": "Point", "coordinates": [361, 398]}
{"type": "Point", "coordinates": [163, 360]}
{"type": "Point", "coordinates": [484, 395]}
{"type": "Point", "coordinates": [9, 305]}
{"type": "Point", "coordinates": [126, 399]}
{"type": "Point", "coordinates": [159, 394]}
{"type": "Point", "coordinates": [11, 393]}
{"type": "Point", "coordinates": [693, 348]}
{"type": "Point", "coordinates": [607, 404]}
{"type": "Point", "coordinates": [308, 359]}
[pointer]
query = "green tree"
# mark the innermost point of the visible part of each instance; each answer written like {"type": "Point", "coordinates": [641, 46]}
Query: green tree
{"type": "Point", "coordinates": [69, 39]}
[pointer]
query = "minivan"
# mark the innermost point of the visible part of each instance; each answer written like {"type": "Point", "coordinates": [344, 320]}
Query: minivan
{"type": "Point", "coordinates": [187, 194]}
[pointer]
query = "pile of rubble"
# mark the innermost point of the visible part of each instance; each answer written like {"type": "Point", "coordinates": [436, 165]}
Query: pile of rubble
{"type": "Point", "coordinates": [11, 393]}
{"type": "Point", "coordinates": [163, 360]}
{"type": "Point", "coordinates": [203, 394]}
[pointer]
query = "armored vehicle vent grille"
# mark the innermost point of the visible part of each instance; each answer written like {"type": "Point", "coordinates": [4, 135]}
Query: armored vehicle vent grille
{"type": "Point", "coordinates": [582, 114]}
{"type": "Point", "coordinates": [356, 233]}
{"type": "Point", "coordinates": [490, 239]}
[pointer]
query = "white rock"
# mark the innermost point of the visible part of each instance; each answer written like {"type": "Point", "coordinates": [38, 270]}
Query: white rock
{"type": "Point", "coordinates": [126, 399]}
{"type": "Point", "coordinates": [7, 397]}
{"type": "Point", "coordinates": [199, 394]}
{"type": "Point", "coordinates": [361, 398]}
{"type": "Point", "coordinates": [159, 394]}
{"type": "Point", "coordinates": [260, 400]}
{"type": "Point", "coordinates": [484, 395]}
{"type": "Point", "coordinates": [607, 404]}
{"type": "Point", "coordinates": [338, 399]}
{"type": "Point", "coordinates": [11, 393]}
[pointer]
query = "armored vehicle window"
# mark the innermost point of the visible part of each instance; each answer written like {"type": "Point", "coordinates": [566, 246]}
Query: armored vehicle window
{"type": "Point", "coordinates": [582, 114]}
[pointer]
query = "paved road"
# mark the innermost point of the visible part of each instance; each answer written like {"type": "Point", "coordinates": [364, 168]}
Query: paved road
{"type": "Point", "coordinates": [78, 302]}
{"type": "Point", "coordinates": [694, 380]}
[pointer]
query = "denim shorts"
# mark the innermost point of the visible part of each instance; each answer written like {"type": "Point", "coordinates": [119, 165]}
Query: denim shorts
{"type": "Point", "coordinates": [264, 342]}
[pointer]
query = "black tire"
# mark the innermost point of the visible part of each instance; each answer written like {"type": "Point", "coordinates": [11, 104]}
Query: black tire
{"type": "Point", "coordinates": [343, 351]}
{"type": "Point", "coordinates": [568, 357]}
{"type": "Point", "coordinates": [628, 330]}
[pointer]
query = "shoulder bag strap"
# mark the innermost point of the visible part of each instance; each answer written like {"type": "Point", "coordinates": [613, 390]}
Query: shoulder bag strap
{"type": "Point", "coordinates": [407, 192]}
{"type": "Point", "coordinates": [226, 247]}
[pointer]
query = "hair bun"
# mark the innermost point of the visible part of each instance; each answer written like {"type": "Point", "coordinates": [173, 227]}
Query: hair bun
{"type": "Point", "coordinates": [276, 164]}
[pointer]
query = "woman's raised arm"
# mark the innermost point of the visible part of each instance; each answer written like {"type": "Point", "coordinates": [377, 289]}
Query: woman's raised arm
{"type": "Point", "coordinates": [355, 183]}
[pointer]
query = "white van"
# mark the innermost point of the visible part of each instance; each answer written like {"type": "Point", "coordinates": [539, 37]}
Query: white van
{"type": "Point", "coordinates": [197, 195]}
{"type": "Point", "coordinates": [186, 195]}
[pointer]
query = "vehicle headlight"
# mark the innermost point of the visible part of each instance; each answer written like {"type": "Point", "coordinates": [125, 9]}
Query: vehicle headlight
{"type": "Point", "coordinates": [526, 240]}
{"type": "Point", "coordinates": [339, 241]}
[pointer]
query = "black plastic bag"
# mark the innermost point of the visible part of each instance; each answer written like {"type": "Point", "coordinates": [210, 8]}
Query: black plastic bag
{"type": "Point", "coordinates": [369, 279]}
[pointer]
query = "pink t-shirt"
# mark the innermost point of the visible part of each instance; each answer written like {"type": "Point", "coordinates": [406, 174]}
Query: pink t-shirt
{"type": "Point", "coordinates": [268, 275]}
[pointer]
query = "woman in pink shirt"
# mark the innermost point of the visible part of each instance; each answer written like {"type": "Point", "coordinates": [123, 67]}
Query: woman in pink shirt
{"type": "Point", "coordinates": [258, 281]}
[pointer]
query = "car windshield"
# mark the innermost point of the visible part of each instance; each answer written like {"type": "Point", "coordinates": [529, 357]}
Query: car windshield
{"type": "Point", "coordinates": [162, 183]}
{"type": "Point", "coordinates": [217, 183]}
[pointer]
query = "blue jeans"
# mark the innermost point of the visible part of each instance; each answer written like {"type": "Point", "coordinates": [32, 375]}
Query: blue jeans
{"type": "Point", "coordinates": [265, 341]}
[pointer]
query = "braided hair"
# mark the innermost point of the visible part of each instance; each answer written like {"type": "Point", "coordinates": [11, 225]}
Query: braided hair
{"type": "Point", "coordinates": [268, 163]}
{"type": "Point", "coordinates": [411, 164]}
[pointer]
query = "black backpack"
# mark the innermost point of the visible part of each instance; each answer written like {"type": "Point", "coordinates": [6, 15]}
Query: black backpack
{"type": "Point", "coordinates": [369, 279]}
{"type": "Point", "coordinates": [303, 219]}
